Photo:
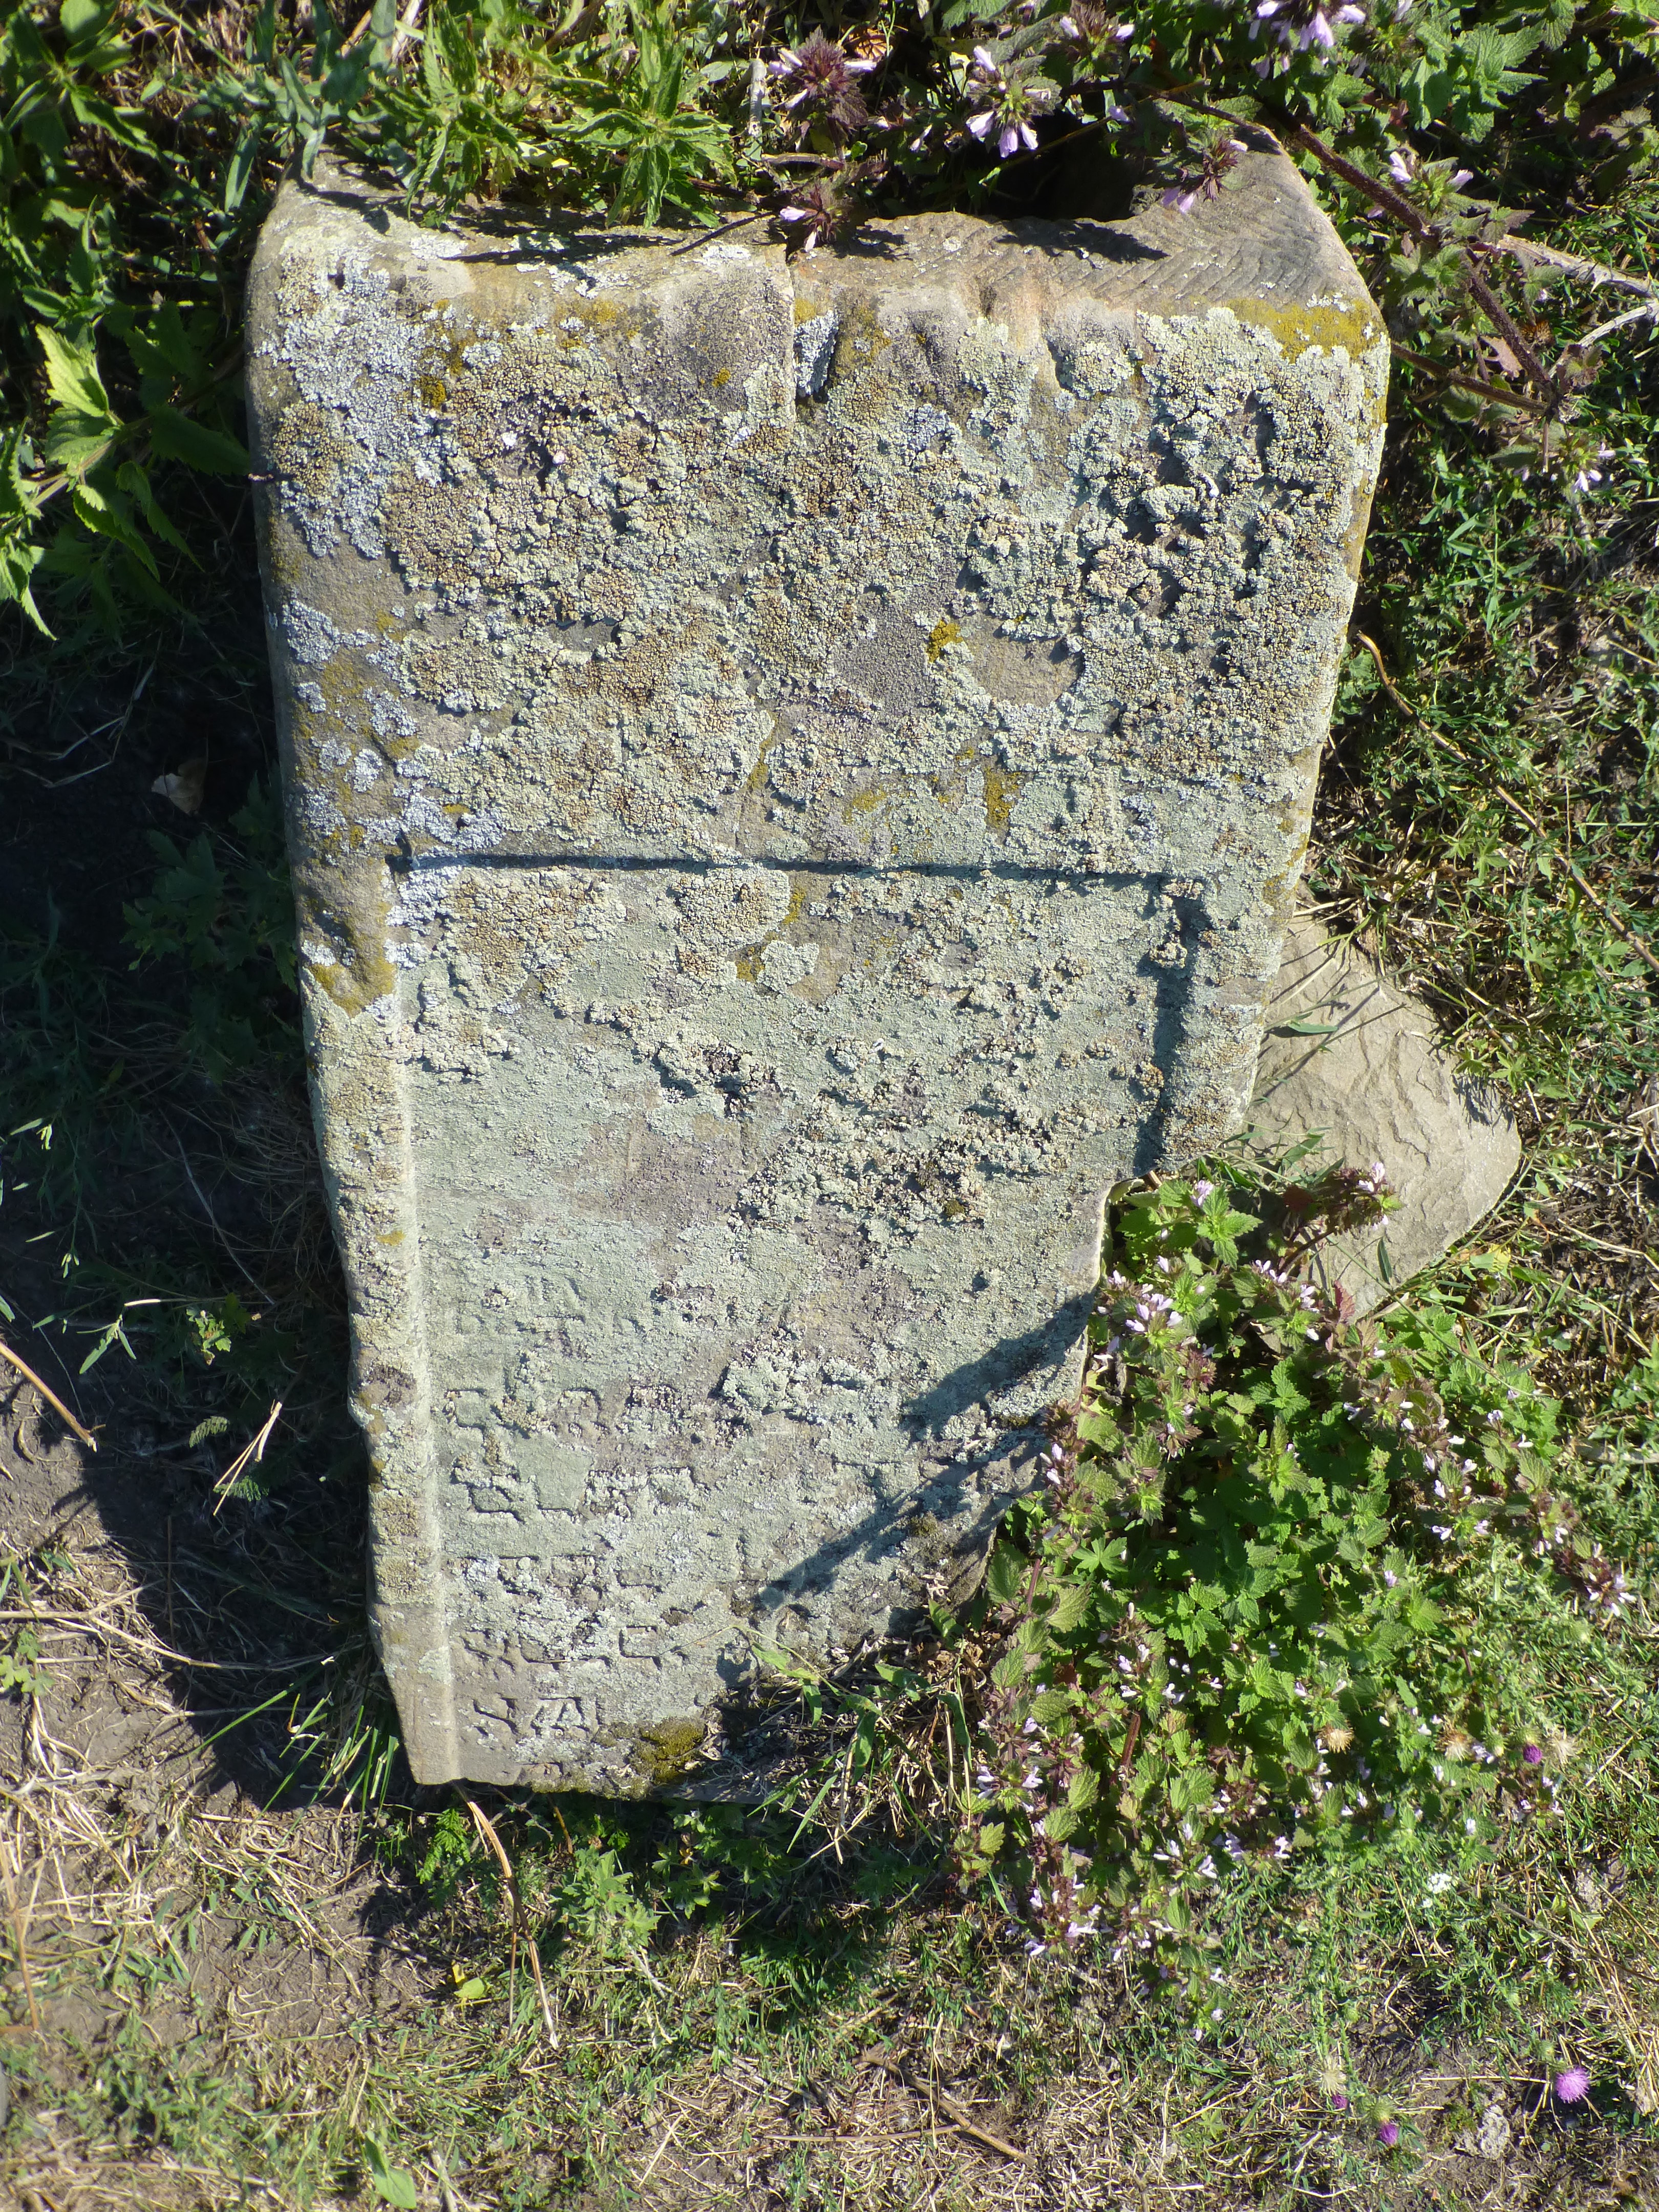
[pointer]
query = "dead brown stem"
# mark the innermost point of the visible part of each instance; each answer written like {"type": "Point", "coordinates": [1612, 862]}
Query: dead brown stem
{"type": "Point", "coordinates": [49, 1394]}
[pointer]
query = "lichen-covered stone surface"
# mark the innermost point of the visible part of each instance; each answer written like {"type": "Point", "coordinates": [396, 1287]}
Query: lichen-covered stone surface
{"type": "Point", "coordinates": [795, 778]}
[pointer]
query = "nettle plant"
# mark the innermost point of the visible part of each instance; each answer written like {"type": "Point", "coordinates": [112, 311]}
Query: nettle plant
{"type": "Point", "coordinates": [1235, 1622]}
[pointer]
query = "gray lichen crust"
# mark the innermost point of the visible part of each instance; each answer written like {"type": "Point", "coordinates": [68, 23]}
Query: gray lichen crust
{"type": "Point", "coordinates": [795, 780]}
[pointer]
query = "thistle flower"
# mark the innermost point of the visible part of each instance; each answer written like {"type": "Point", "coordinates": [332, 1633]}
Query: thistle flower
{"type": "Point", "coordinates": [1388, 2134]}
{"type": "Point", "coordinates": [823, 88]}
{"type": "Point", "coordinates": [1572, 2085]}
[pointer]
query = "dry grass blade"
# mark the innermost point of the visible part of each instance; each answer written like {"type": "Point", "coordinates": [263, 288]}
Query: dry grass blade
{"type": "Point", "coordinates": [19, 1932]}
{"type": "Point", "coordinates": [946, 2106]}
{"type": "Point", "coordinates": [521, 1919]}
{"type": "Point", "coordinates": [51, 1396]}
{"type": "Point", "coordinates": [250, 1455]}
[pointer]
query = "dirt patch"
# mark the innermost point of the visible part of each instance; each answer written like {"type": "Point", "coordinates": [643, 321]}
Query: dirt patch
{"type": "Point", "coordinates": [166, 1915]}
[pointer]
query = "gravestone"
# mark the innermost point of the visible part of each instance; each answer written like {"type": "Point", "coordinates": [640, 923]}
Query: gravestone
{"type": "Point", "coordinates": [796, 773]}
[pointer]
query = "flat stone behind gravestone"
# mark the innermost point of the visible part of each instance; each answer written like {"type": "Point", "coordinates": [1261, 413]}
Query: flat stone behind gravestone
{"type": "Point", "coordinates": [795, 776]}
{"type": "Point", "coordinates": [1381, 1087]}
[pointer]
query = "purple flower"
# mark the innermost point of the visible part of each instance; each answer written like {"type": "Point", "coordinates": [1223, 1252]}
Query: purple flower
{"type": "Point", "coordinates": [1572, 2087]}
{"type": "Point", "coordinates": [1533, 1756]}
{"type": "Point", "coordinates": [1089, 26]}
{"type": "Point", "coordinates": [1009, 112]}
{"type": "Point", "coordinates": [1402, 164]}
{"type": "Point", "coordinates": [1388, 2134]}
{"type": "Point", "coordinates": [822, 82]}
{"type": "Point", "coordinates": [823, 212]}
{"type": "Point", "coordinates": [1460, 177]}
{"type": "Point", "coordinates": [1302, 25]}
{"type": "Point", "coordinates": [1010, 135]}
{"type": "Point", "coordinates": [1339, 2102]}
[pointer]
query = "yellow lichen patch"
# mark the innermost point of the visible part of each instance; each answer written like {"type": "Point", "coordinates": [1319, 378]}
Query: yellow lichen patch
{"type": "Point", "coordinates": [859, 337]}
{"type": "Point", "coordinates": [720, 379]}
{"type": "Point", "coordinates": [432, 392]}
{"type": "Point", "coordinates": [941, 635]}
{"type": "Point", "coordinates": [756, 779]}
{"type": "Point", "coordinates": [1353, 324]}
{"type": "Point", "coordinates": [864, 801]}
{"type": "Point", "coordinates": [346, 908]}
{"type": "Point", "coordinates": [752, 958]}
{"type": "Point", "coordinates": [310, 451]}
{"type": "Point", "coordinates": [1002, 789]}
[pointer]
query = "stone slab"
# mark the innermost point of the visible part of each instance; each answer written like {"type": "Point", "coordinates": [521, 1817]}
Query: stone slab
{"type": "Point", "coordinates": [795, 777]}
{"type": "Point", "coordinates": [1380, 1086]}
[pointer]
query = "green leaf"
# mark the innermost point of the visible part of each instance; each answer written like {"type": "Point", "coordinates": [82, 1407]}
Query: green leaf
{"type": "Point", "coordinates": [392, 2184]}
{"type": "Point", "coordinates": [1070, 1607]}
{"type": "Point", "coordinates": [115, 1333]}
{"type": "Point", "coordinates": [1004, 1574]}
{"type": "Point", "coordinates": [17, 566]}
{"type": "Point", "coordinates": [180, 438]}
{"type": "Point", "coordinates": [108, 517]}
{"type": "Point", "coordinates": [79, 19]}
{"type": "Point", "coordinates": [76, 443]}
{"type": "Point", "coordinates": [72, 372]}
{"type": "Point", "coordinates": [240, 168]}
{"type": "Point", "coordinates": [1189, 1791]}
{"type": "Point", "coordinates": [127, 125]}
{"type": "Point", "coordinates": [134, 480]}
{"type": "Point", "coordinates": [1085, 1788]}
{"type": "Point", "coordinates": [18, 498]}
